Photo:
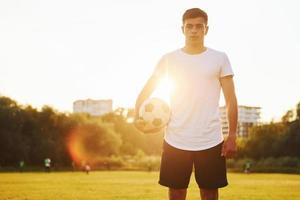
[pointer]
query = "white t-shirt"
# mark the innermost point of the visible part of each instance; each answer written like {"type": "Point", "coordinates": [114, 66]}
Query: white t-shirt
{"type": "Point", "coordinates": [195, 122]}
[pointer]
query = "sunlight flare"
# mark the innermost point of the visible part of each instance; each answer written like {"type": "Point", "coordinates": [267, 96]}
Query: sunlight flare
{"type": "Point", "coordinates": [164, 89]}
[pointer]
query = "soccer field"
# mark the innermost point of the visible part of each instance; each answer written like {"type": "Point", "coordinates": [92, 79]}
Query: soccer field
{"type": "Point", "coordinates": [121, 185]}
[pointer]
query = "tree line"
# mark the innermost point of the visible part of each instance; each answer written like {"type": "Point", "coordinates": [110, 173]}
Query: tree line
{"type": "Point", "coordinates": [280, 139]}
{"type": "Point", "coordinates": [31, 135]}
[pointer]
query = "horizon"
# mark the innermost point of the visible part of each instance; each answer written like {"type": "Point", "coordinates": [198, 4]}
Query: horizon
{"type": "Point", "coordinates": [116, 107]}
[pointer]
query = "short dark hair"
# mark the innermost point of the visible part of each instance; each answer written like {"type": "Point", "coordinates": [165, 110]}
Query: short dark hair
{"type": "Point", "coordinates": [194, 13]}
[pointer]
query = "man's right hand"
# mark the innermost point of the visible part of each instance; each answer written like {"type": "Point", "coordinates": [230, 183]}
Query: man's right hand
{"type": "Point", "coordinates": [140, 124]}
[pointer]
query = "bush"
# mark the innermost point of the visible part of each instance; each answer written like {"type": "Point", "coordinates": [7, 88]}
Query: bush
{"type": "Point", "coordinates": [289, 162]}
{"type": "Point", "coordinates": [238, 165]}
{"type": "Point", "coordinates": [270, 164]}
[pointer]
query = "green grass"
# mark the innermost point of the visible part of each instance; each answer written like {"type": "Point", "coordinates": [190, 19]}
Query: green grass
{"type": "Point", "coordinates": [117, 185]}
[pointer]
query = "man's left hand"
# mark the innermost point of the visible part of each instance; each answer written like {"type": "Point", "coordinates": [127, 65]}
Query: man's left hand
{"type": "Point", "coordinates": [229, 147]}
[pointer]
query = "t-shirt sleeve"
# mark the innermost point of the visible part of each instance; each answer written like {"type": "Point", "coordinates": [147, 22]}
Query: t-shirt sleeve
{"type": "Point", "coordinates": [226, 68]}
{"type": "Point", "coordinates": [161, 68]}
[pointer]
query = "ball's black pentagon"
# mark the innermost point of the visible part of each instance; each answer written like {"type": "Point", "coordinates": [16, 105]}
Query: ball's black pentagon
{"type": "Point", "coordinates": [157, 122]}
{"type": "Point", "coordinates": [149, 107]}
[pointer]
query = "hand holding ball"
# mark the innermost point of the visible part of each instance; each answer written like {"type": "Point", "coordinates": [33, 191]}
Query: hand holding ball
{"type": "Point", "coordinates": [154, 114]}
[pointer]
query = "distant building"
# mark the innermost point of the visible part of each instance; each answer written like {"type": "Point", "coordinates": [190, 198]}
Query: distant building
{"type": "Point", "coordinates": [247, 117]}
{"type": "Point", "coordinates": [93, 107]}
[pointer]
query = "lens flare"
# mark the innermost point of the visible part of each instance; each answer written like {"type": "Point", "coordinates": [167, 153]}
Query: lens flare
{"type": "Point", "coordinates": [165, 89]}
{"type": "Point", "coordinates": [81, 145]}
{"type": "Point", "coordinates": [75, 147]}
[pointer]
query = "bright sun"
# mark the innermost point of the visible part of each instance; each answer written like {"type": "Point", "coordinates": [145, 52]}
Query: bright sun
{"type": "Point", "coordinates": [164, 89]}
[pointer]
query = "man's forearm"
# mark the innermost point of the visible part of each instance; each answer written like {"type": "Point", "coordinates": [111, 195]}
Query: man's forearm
{"type": "Point", "coordinates": [145, 93]}
{"type": "Point", "coordinates": [232, 115]}
{"type": "Point", "coordinates": [141, 98]}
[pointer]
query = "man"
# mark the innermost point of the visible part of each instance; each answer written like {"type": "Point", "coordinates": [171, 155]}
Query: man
{"type": "Point", "coordinates": [193, 138]}
{"type": "Point", "coordinates": [47, 163]}
{"type": "Point", "coordinates": [21, 165]}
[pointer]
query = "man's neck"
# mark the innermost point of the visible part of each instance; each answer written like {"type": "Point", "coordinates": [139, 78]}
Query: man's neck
{"type": "Point", "coordinates": [195, 48]}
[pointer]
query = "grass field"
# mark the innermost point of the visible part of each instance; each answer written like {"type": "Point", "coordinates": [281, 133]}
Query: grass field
{"type": "Point", "coordinates": [117, 185]}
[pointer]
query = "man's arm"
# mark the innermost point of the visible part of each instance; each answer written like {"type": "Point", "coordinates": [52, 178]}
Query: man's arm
{"type": "Point", "coordinates": [229, 147]}
{"type": "Point", "coordinates": [145, 93]}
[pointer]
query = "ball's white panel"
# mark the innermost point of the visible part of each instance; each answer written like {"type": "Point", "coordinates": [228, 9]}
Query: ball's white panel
{"type": "Point", "coordinates": [155, 112]}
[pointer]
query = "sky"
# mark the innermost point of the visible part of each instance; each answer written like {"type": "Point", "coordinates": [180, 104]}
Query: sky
{"type": "Point", "coordinates": [59, 51]}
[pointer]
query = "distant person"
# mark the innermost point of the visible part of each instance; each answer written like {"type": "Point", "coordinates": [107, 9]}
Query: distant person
{"type": "Point", "coordinates": [73, 166]}
{"type": "Point", "coordinates": [47, 163]}
{"type": "Point", "coordinates": [87, 168]}
{"type": "Point", "coordinates": [247, 167]}
{"type": "Point", "coordinates": [193, 137]}
{"type": "Point", "coordinates": [21, 165]}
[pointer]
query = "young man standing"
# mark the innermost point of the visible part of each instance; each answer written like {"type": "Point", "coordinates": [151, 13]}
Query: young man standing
{"type": "Point", "coordinates": [193, 137]}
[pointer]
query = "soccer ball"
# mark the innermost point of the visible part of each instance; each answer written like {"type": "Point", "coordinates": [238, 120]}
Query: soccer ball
{"type": "Point", "coordinates": [155, 113]}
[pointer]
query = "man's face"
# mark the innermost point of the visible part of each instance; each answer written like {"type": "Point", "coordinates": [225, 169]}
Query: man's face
{"type": "Point", "coordinates": [194, 29]}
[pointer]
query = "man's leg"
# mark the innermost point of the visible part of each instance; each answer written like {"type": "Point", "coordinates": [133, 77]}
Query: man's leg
{"type": "Point", "coordinates": [177, 194]}
{"type": "Point", "coordinates": [175, 171]}
{"type": "Point", "coordinates": [209, 194]}
{"type": "Point", "coordinates": [210, 172]}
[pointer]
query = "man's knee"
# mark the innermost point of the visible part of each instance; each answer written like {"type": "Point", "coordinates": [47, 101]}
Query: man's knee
{"type": "Point", "coordinates": [209, 194]}
{"type": "Point", "coordinates": [177, 194]}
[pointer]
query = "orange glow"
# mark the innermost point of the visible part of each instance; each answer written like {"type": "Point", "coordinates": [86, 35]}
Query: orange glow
{"type": "Point", "coordinates": [78, 149]}
{"type": "Point", "coordinates": [75, 146]}
{"type": "Point", "coordinates": [165, 89]}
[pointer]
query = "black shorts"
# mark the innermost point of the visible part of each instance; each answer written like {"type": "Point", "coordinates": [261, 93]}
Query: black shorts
{"type": "Point", "coordinates": [177, 166]}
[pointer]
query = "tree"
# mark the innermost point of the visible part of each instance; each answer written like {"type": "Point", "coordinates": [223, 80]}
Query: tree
{"type": "Point", "coordinates": [298, 111]}
{"type": "Point", "coordinates": [288, 117]}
